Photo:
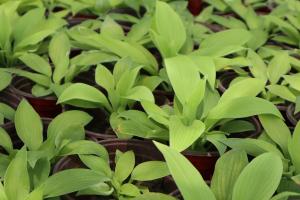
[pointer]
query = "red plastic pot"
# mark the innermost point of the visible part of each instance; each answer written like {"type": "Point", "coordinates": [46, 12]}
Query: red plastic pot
{"type": "Point", "coordinates": [203, 162]}
{"type": "Point", "coordinates": [144, 151]}
{"type": "Point", "coordinates": [45, 106]}
{"type": "Point", "coordinates": [195, 6]}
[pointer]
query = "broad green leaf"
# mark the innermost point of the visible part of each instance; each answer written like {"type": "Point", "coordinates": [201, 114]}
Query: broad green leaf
{"type": "Point", "coordinates": [85, 96]}
{"type": "Point", "coordinates": [88, 58]}
{"type": "Point", "coordinates": [7, 111]}
{"type": "Point", "coordinates": [84, 147]}
{"type": "Point", "coordinates": [278, 67]}
{"type": "Point", "coordinates": [258, 67]}
{"type": "Point", "coordinates": [227, 170]}
{"type": "Point", "coordinates": [183, 136]}
{"type": "Point", "coordinates": [2, 192]}
{"type": "Point", "coordinates": [277, 130]}
{"type": "Point", "coordinates": [37, 194]}
{"type": "Point", "coordinates": [5, 141]}
{"type": "Point", "coordinates": [282, 92]}
{"type": "Point", "coordinates": [253, 147]}
{"type": "Point", "coordinates": [69, 181]}
{"type": "Point", "coordinates": [124, 166]}
{"type": "Point", "coordinates": [59, 50]}
{"type": "Point", "coordinates": [16, 179]}
{"type": "Point", "coordinates": [187, 178]}
{"type": "Point", "coordinates": [155, 112]}
{"type": "Point", "coordinates": [237, 126]}
{"type": "Point", "coordinates": [100, 189]}
{"type": "Point", "coordinates": [258, 180]}
{"type": "Point", "coordinates": [242, 89]}
{"type": "Point", "coordinates": [284, 195]}
{"type": "Point", "coordinates": [104, 78]}
{"type": "Point", "coordinates": [183, 74]}
{"type": "Point", "coordinates": [111, 28]}
{"type": "Point", "coordinates": [293, 148]}
{"type": "Point", "coordinates": [96, 163]}
{"type": "Point", "coordinates": [35, 77]}
{"type": "Point", "coordinates": [5, 80]}
{"type": "Point", "coordinates": [168, 43]}
{"type": "Point", "coordinates": [36, 63]}
{"type": "Point", "coordinates": [140, 93]}
{"type": "Point", "coordinates": [29, 125]}
{"type": "Point", "coordinates": [225, 38]}
{"type": "Point", "coordinates": [67, 119]}
{"type": "Point", "coordinates": [40, 91]}
{"type": "Point", "coordinates": [243, 107]}
{"type": "Point", "coordinates": [150, 170]}
{"type": "Point", "coordinates": [129, 190]}
{"type": "Point", "coordinates": [127, 80]}
{"type": "Point", "coordinates": [293, 81]}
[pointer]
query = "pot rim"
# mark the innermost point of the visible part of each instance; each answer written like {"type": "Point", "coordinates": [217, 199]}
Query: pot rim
{"type": "Point", "coordinates": [22, 93]}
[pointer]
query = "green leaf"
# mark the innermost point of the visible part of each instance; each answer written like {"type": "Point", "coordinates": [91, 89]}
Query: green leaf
{"type": "Point", "coordinates": [16, 179]}
{"type": "Point", "coordinates": [37, 78]}
{"type": "Point", "coordinates": [293, 148]}
{"type": "Point", "coordinates": [29, 125]}
{"type": "Point", "coordinates": [84, 147]}
{"type": "Point", "coordinates": [243, 107]}
{"type": "Point", "coordinates": [37, 194]}
{"type": "Point", "coordinates": [104, 78]}
{"type": "Point", "coordinates": [111, 28]}
{"type": "Point", "coordinates": [59, 50]}
{"type": "Point", "coordinates": [183, 136]}
{"type": "Point", "coordinates": [258, 180]}
{"type": "Point", "coordinates": [70, 181]}
{"type": "Point", "coordinates": [242, 89]}
{"type": "Point", "coordinates": [227, 171]}
{"type": "Point", "coordinates": [183, 74]}
{"type": "Point", "coordinates": [162, 33]}
{"type": "Point", "coordinates": [2, 192]}
{"type": "Point", "coordinates": [253, 147]}
{"type": "Point", "coordinates": [67, 119]}
{"type": "Point", "coordinates": [5, 141]}
{"type": "Point", "coordinates": [258, 67]}
{"type": "Point", "coordinates": [40, 91]}
{"type": "Point", "coordinates": [278, 67]}
{"type": "Point", "coordinates": [282, 92]}
{"type": "Point", "coordinates": [277, 130]}
{"type": "Point", "coordinates": [100, 189]}
{"type": "Point", "coordinates": [7, 111]}
{"type": "Point", "coordinates": [124, 166]}
{"type": "Point", "coordinates": [96, 163]}
{"type": "Point", "coordinates": [130, 190]}
{"type": "Point", "coordinates": [155, 112]}
{"type": "Point", "coordinates": [150, 170]}
{"type": "Point", "coordinates": [187, 178]}
{"type": "Point", "coordinates": [127, 80]}
{"type": "Point", "coordinates": [237, 37]}
{"type": "Point", "coordinates": [293, 81]}
{"type": "Point", "coordinates": [140, 93]}
{"type": "Point", "coordinates": [284, 195]}
{"type": "Point", "coordinates": [36, 63]}
{"type": "Point", "coordinates": [85, 96]}
{"type": "Point", "coordinates": [5, 80]}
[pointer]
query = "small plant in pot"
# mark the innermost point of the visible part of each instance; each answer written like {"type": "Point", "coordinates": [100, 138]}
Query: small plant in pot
{"type": "Point", "coordinates": [24, 33]}
{"type": "Point", "coordinates": [22, 183]}
{"type": "Point", "coordinates": [199, 116]}
{"type": "Point", "coordinates": [45, 84]}
{"type": "Point", "coordinates": [125, 178]}
{"type": "Point", "coordinates": [278, 140]}
{"type": "Point", "coordinates": [123, 87]}
{"type": "Point", "coordinates": [231, 178]}
{"type": "Point", "coordinates": [62, 136]}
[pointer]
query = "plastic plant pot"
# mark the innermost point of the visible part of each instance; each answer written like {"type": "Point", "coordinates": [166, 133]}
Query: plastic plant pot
{"type": "Point", "coordinates": [45, 106]}
{"type": "Point", "coordinates": [195, 6]}
{"type": "Point", "coordinates": [144, 151]}
{"type": "Point", "coordinates": [292, 117]}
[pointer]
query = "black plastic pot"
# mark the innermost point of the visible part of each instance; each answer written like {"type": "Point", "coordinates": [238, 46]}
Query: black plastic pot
{"type": "Point", "coordinates": [45, 106]}
{"type": "Point", "coordinates": [291, 116]}
{"type": "Point", "coordinates": [144, 151]}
